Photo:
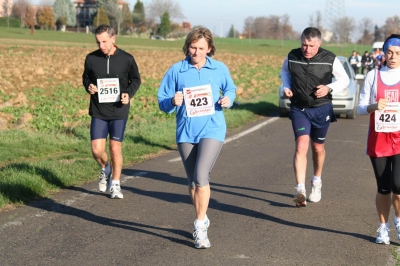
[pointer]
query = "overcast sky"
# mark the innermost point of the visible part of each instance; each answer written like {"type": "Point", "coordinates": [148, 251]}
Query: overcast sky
{"type": "Point", "coordinates": [219, 15]}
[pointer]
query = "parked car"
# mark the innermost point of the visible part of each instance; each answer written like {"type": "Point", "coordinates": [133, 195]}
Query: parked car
{"type": "Point", "coordinates": [344, 102]}
{"type": "Point", "coordinates": [157, 37]}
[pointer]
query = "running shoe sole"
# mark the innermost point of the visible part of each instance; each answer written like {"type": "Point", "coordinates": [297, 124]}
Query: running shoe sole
{"type": "Point", "coordinates": [117, 196]}
{"type": "Point", "coordinates": [383, 241]}
{"type": "Point", "coordinates": [300, 200]}
{"type": "Point", "coordinates": [202, 245]}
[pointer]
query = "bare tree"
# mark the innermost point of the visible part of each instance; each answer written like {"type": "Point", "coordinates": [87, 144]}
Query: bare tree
{"type": "Point", "coordinates": [392, 25]}
{"type": "Point", "coordinates": [286, 27]}
{"type": "Point", "coordinates": [318, 20]}
{"type": "Point", "coordinates": [343, 27]}
{"type": "Point", "coordinates": [260, 27]}
{"type": "Point", "coordinates": [6, 11]}
{"type": "Point", "coordinates": [19, 10]}
{"type": "Point", "coordinates": [274, 27]}
{"type": "Point", "coordinates": [311, 20]}
{"type": "Point", "coordinates": [248, 28]}
{"type": "Point", "coordinates": [157, 8]}
{"type": "Point", "coordinates": [30, 18]}
{"type": "Point", "coordinates": [366, 26]}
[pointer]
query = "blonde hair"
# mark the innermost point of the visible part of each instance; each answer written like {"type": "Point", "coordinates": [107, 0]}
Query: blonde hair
{"type": "Point", "coordinates": [197, 34]}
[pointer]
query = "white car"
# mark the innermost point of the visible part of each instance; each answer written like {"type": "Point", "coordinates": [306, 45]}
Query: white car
{"type": "Point", "coordinates": [344, 102]}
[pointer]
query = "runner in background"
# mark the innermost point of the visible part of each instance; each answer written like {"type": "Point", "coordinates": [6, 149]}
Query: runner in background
{"type": "Point", "coordinates": [111, 76]}
{"type": "Point", "coordinates": [381, 91]}
{"type": "Point", "coordinates": [307, 80]}
{"type": "Point", "coordinates": [197, 88]}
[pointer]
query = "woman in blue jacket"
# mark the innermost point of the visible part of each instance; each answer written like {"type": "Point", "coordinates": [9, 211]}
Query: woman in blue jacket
{"type": "Point", "coordinates": [197, 88]}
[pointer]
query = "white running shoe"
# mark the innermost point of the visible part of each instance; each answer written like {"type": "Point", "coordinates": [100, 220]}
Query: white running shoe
{"type": "Point", "coordinates": [383, 236]}
{"type": "Point", "coordinates": [200, 238]}
{"type": "Point", "coordinates": [300, 198]}
{"type": "Point", "coordinates": [103, 181]}
{"type": "Point", "coordinates": [206, 225]}
{"type": "Point", "coordinates": [116, 192]}
{"type": "Point", "coordinates": [398, 229]}
{"type": "Point", "coordinates": [315, 194]}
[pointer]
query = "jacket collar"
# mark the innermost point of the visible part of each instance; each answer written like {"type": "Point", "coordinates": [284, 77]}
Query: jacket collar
{"type": "Point", "coordinates": [186, 65]}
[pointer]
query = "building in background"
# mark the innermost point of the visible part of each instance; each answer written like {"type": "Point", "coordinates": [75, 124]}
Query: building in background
{"type": "Point", "coordinates": [85, 10]}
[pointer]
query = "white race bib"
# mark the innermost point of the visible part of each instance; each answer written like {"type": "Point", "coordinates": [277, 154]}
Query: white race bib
{"type": "Point", "coordinates": [199, 101]}
{"type": "Point", "coordinates": [109, 91]}
{"type": "Point", "coordinates": [387, 120]}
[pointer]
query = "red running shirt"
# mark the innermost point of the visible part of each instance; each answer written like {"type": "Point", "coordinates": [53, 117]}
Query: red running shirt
{"type": "Point", "coordinates": [382, 144]}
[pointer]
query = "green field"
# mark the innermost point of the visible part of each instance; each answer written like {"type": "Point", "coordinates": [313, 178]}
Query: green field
{"type": "Point", "coordinates": [53, 151]}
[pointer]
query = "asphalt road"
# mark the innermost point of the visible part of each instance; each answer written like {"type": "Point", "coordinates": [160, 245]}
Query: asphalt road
{"type": "Point", "coordinates": [253, 218]}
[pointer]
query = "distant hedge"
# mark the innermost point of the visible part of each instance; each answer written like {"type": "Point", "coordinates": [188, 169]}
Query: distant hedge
{"type": "Point", "coordinates": [13, 22]}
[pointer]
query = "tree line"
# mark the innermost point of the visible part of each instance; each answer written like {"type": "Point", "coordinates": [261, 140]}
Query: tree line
{"type": "Point", "coordinates": [158, 15]}
{"type": "Point", "coordinates": [62, 13]}
{"type": "Point", "coordinates": [341, 30]}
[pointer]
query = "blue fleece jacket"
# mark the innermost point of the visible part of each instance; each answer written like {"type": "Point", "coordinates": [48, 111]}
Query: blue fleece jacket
{"type": "Point", "coordinates": [184, 75]}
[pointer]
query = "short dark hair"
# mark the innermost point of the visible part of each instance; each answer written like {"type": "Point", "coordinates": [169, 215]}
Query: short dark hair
{"type": "Point", "coordinates": [310, 33]}
{"type": "Point", "coordinates": [104, 28]}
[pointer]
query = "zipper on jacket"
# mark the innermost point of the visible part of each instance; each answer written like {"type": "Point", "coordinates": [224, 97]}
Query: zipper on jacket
{"type": "Point", "coordinates": [108, 64]}
{"type": "Point", "coordinates": [307, 75]}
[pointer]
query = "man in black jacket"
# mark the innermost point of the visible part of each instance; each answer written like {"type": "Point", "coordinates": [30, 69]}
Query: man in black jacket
{"type": "Point", "coordinates": [111, 76]}
{"type": "Point", "coordinates": [307, 80]}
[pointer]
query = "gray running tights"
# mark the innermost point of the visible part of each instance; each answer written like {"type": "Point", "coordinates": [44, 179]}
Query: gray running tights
{"type": "Point", "coordinates": [198, 160]}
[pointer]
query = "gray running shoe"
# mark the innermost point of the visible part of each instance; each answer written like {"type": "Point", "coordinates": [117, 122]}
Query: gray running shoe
{"type": "Point", "coordinates": [200, 238]}
{"type": "Point", "coordinates": [116, 192]}
{"type": "Point", "coordinates": [103, 181]}
{"type": "Point", "coordinates": [300, 198]}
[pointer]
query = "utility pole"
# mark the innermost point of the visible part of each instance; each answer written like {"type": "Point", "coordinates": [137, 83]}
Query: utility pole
{"type": "Point", "coordinates": [334, 9]}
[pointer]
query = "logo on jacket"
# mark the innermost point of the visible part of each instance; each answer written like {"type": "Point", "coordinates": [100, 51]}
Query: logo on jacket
{"type": "Point", "coordinates": [327, 118]}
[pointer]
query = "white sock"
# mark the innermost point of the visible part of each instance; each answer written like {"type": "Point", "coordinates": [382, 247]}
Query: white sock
{"type": "Point", "coordinates": [115, 182]}
{"type": "Point", "coordinates": [316, 179]}
{"type": "Point", "coordinates": [384, 225]}
{"type": "Point", "coordinates": [301, 186]}
{"type": "Point", "coordinates": [200, 223]}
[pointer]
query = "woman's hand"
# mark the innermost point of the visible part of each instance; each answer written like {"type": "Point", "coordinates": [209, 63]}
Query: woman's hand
{"type": "Point", "coordinates": [381, 104]}
{"type": "Point", "coordinates": [224, 101]}
{"type": "Point", "coordinates": [178, 98]}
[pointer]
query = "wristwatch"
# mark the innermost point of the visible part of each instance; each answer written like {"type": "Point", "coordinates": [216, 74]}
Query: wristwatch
{"type": "Point", "coordinates": [330, 90]}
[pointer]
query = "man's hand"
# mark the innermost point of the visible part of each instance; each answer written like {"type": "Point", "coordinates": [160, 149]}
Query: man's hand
{"type": "Point", "coordinates": [92, 89]}
{"type": "Point", "coordinates": [124, 98]}
{"type": "Point", "coordinates": [287, 93]}
{"type": "Point", "coordinates": [322, 91]}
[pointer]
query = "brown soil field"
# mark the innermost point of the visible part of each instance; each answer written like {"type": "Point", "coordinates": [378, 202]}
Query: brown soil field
{"type": "Point", "coordinates": [36, 64]}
